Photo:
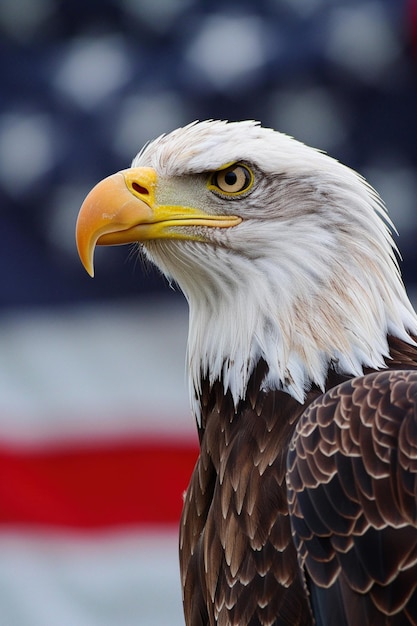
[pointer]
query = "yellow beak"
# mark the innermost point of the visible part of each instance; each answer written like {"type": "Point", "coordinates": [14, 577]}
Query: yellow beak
{"type": "Point", "coordinates": [122, 209]}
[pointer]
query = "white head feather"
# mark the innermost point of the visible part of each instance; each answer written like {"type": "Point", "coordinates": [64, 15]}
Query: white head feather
{"type": "Point", "coordinates": [308, 280]}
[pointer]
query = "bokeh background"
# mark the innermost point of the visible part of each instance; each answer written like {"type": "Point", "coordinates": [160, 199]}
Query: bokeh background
{"type": "Point", "coordinates": [96, 439]}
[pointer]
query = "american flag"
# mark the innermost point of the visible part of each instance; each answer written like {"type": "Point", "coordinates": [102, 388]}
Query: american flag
{"type": "Point", "coordinates": [97, 442]}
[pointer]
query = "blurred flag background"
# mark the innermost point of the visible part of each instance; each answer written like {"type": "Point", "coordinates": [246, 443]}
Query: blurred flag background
{"type": "Point", "coordinates": [96, 438]}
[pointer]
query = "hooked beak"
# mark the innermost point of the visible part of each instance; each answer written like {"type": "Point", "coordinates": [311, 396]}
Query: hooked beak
{"type": "Point", "coordinates": [122, 209]}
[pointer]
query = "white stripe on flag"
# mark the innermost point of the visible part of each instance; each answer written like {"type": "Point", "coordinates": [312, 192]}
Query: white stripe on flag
{"type": "Point", "coordinates": [106, 579]}
{"type": "Point", "coordinates": [94, 372]}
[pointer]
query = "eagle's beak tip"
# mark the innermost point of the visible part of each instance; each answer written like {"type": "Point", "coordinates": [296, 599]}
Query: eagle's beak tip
{"type": "Point", "coordinates": [88, 263]}
{"type": "Point", "coordinates": [85, 250]}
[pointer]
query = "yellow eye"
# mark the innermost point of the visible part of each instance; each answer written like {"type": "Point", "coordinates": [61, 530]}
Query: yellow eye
{"type": "Point", "coordinates": [232, 180]}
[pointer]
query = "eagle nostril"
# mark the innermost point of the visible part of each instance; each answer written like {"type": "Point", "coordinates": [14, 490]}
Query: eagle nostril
{"type": "Point", "coordinates": [140, 189]}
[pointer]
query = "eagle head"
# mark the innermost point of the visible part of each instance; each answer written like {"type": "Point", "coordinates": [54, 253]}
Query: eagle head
{"type": "Point", "coordinates": [283, 253]}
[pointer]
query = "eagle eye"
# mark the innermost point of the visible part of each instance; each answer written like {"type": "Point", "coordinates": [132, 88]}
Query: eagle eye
{"type": "Point", "coordinates": [232, 180]}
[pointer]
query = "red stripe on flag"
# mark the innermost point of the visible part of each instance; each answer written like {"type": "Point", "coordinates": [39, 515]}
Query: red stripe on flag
{"type": "Point", "coordinates": [95, 486]}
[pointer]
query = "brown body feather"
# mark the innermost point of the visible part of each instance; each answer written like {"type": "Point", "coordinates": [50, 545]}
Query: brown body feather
{"type": "Point", "coordinates": [238, 559]}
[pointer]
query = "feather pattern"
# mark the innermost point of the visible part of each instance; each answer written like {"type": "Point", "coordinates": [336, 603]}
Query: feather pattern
{"type": "Point", "coordinates": [244, 545]}
{"type": "Point", "coordinates": [341, 492]}
{"type": "Point", "coordinates": [353, 500]}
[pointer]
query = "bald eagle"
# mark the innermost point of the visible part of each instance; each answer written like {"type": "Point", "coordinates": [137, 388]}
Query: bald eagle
{"type": "Point", "coordinates": [302, 357]}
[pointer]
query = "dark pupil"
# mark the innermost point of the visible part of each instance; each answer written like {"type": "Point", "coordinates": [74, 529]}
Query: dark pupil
{"type": "Point", "coordinates": [230, 178]}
